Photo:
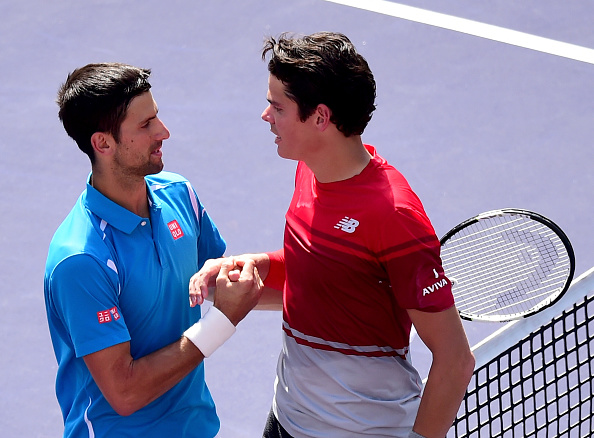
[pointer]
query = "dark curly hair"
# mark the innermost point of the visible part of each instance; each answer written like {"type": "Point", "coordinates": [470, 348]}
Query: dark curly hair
{"type": "Point", "coordinates": [324, 68]}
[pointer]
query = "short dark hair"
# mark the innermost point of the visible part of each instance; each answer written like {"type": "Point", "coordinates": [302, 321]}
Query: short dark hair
{"type": "Point", "coordinates": [95, 98]}
{"type": "Point", "coordinates": [324, 68]}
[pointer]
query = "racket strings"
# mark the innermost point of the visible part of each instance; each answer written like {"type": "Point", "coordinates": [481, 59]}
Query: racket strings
{"type": "Point", "coordinates": [505, 265]}
{"type": "Point", "coordinates": [508, 262]}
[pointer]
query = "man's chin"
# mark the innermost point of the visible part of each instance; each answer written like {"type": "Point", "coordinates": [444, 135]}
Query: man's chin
{"type": "Point", "coordinates": [154, 168]}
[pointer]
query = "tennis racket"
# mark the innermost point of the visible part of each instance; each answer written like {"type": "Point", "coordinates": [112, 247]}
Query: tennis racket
{"type": "Point", "coordinates": [506, 264]}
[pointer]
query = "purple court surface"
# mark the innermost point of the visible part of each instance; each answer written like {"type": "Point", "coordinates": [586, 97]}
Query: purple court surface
{"type": "Point", "coordinates": [474, 124]}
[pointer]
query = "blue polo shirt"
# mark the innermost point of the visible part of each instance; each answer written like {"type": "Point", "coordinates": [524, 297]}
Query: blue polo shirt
{"type": "Point", "coordinates": [112, 277]}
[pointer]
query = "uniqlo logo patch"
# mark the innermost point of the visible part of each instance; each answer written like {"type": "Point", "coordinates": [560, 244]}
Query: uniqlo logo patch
{"type": "Point", "coordinates": [108, 315]}
{"type": "Point", "coordinates": [176, 231]}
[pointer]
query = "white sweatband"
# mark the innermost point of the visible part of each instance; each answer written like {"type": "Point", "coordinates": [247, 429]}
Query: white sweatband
{"type": "Point", "coordinates": [213, 329]}
{"type": "Point", "coordinates": [413, 434]}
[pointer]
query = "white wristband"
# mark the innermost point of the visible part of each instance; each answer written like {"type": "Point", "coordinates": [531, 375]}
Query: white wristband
{"type": "Point", "coordinates": [213, 329]}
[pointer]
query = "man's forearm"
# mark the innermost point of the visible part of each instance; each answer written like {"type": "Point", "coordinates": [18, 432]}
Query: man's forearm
{"type": "Point", "coordinates": [442, 396]}
{"type": "Point", "coordinates": [262, 263]}
{"type": "Point", "coordinates": [451, 370]}
{"type": "Point", "coordinates": [271, 299]}
{"type": "Point", "coordinates": [129, 385]}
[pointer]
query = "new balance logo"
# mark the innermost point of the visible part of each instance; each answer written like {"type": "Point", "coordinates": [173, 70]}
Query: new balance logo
{"type": "Point", "coordinates": [347, 225]}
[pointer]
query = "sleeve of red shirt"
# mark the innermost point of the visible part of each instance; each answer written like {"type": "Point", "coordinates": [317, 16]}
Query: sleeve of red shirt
{"type": "Point", "coordinates": [414, 265]}
{"type": "Point", "coordinates": [276, 275]}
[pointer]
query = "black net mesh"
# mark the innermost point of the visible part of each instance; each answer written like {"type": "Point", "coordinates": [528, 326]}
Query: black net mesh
{"type": "Point", "coordinates": [541, 387]}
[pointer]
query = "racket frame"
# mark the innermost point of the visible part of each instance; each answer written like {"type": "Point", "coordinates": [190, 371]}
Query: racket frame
{"type": "Point", "coordinates": [553, 298]}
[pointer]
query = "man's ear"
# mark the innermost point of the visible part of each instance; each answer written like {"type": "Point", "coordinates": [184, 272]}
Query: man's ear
{"type": "Point", "coordinates": [102, 143]}
{"type": "Point", "coordinates": [322, 116]}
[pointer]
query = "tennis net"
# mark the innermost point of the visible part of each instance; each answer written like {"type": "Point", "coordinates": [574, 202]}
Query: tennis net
{"type": "Point", "coordinates": [535, 377]}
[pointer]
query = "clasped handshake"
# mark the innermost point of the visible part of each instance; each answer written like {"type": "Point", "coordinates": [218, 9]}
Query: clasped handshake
{"type": "Point", "coordinates": [232, 283]}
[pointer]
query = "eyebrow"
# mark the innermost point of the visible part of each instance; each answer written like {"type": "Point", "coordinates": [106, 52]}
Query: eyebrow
{"type": "Point", "coordinates": [152, 117]}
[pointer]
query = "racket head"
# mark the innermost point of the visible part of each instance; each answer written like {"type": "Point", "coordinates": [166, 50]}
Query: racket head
{"type": "Point", "coordinates": [507, 264]}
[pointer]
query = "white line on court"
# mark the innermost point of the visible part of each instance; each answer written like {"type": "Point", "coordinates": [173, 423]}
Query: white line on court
{"type": "Point", "coordinates": [474, 28]}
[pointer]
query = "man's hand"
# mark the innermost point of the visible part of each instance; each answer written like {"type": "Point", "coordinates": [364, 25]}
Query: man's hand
{"type": "Point", "coordinates": [202, 280]}
{"type": "Point", "coordinates": [238, 288]}
{"type": "Point", "coordinates": [202, 284]}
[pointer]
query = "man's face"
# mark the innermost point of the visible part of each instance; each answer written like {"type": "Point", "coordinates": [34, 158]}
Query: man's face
{"type": "Point", "coordinates": [138, 152]}
{"type": "Point", "coordinates": [293, 137]}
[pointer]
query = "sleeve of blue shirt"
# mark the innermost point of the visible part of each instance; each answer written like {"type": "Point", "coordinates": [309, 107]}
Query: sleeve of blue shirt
{"type": "Point", "coordinates": [83, 300]}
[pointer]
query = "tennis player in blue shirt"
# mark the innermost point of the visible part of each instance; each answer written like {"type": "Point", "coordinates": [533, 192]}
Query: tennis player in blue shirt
{"type": "Point", "coordinates": [129, 347]}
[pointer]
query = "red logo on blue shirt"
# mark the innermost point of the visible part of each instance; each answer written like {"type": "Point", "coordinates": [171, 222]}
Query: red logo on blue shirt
{"type": "Point", "coordinates": [176, 231]}
{"type": "Point", "coordinates": [108, 315]}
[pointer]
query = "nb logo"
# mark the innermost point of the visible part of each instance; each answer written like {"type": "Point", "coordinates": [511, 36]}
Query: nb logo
{"type": "Point", "coordinates": [347, 225]}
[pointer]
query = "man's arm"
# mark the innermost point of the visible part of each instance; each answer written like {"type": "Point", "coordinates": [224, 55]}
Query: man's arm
{"type": "Point", "coordinates": [271, 299]}
{"type": "Point", "coordinates": [201, 283]}
{"type": "Point", "coordinates": [129, 384]}
{"type": "Point", "coordinates": [451, 370]}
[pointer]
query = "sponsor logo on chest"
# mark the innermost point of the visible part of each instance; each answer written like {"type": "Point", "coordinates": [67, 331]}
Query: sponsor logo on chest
{"type": "Point", "coordinates": [347, 224]}
{"type": "Point", "coordinates": [175, 229]}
